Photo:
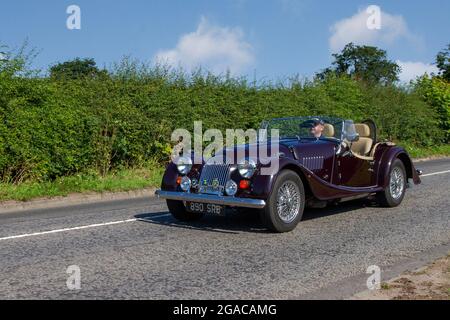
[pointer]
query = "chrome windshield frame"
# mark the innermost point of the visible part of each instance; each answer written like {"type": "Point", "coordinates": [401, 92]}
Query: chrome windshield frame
{"type": "Point", "coordinates": [331, 120]}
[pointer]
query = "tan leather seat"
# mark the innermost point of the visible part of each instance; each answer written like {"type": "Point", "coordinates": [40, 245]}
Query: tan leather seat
{"type": "Point", "coordinates": [364, 144]}
{"type": "Point", "coordinates": [328, 130]}
{"type": "Point", "coordinates": [372, 153]}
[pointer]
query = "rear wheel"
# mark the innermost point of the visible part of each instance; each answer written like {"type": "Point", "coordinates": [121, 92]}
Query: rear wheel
{"type": "Point", "coordinates": [284, 208]}
{"type": "Point", "coordinates": [394, 193]}
{"type": "Point", "coordinates": [179, 212]}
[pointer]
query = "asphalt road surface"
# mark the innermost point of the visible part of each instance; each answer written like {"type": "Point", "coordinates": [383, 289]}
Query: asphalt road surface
{"type": "Point", "coordinates": [134, 249]}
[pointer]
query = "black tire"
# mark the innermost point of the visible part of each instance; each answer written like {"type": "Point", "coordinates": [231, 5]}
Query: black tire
{"type": "Point", "coordinates": [270, 215]}
{"type": "Point", "coordinates": [388, 197]}
{"type": "Point", "coordinates": [179, 212]}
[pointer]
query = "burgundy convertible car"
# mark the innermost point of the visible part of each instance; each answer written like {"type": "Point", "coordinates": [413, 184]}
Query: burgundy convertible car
{"type": "Point", "coordinates": [341, 161]}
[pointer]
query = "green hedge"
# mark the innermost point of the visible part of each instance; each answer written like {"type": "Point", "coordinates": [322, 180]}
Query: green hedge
{"type": "Point", "coordinates": [52, 128]}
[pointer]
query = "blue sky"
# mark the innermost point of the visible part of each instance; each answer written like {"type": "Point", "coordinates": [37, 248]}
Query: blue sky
{"type": "Point", "coordinates": [270, 39]}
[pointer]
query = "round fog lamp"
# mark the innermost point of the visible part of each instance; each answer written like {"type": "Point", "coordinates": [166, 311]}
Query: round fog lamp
{"type": "Point", "coordinates": [185, 183]}
{"type": "Point", "coordinates": [231, 188]}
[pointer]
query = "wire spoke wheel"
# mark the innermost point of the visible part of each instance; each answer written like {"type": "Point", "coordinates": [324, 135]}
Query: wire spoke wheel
{"type": "Point", "coordinates": [288, 201]}
{"type": "Point", "coordinates": [396, 183]}
{"type": "Point", "coordinates": [285, 205]}
{"type": "Point", "coordinates": [394, 191]}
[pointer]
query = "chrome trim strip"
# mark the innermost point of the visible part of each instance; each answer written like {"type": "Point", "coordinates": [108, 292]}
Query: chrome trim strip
{"type": "Point", "coordinates": [313, 163]}
{"type": "Point", "coordinates": [207, 198]}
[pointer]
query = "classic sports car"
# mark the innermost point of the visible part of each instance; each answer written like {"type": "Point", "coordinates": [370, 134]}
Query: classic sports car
{"type": "Point", "coordinates": [320, 160]}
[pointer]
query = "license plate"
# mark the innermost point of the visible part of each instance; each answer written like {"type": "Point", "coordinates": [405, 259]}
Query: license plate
{"type": "Point", "coordinates": [207, 208]}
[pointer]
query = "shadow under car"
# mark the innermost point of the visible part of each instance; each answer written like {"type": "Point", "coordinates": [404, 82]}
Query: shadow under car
{"type": "Point", "coordinates": [235, 221]}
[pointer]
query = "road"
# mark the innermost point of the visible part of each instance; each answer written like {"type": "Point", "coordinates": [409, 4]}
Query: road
{"type": "Point", "coordinates": [133, 249]}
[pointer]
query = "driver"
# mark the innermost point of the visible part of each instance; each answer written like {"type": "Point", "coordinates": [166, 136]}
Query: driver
{"type": "Point", "coordinates": [317, 127]}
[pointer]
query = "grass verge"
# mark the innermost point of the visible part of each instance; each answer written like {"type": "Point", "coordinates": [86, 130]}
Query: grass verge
{"type": "Point", "coordinates": [130, 179]}
{"type": "Point", "coordinates": [123, 180]}
{"type": "Point", "coordinates": [425, 152]}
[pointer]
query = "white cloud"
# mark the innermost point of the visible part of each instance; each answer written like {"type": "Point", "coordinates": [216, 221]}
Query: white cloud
{"type": "Point", "coordinates": [217, 48]}
{"type": "Point", "coordinates": [355, 29]}
{"type": "Point", "coordinates": [411, 70]}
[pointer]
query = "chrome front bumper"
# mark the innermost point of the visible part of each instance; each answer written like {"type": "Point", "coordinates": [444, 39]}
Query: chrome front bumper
{"type": "Point", "coordinates": [208, 198]}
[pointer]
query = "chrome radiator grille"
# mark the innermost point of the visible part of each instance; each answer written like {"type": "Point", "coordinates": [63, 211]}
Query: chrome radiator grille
{"type": "Point", "coordinates": [213, 178]}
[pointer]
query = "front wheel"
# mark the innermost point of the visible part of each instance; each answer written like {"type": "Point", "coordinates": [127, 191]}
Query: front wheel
{"type": "Point", "coordinates": [284, 208]}
{"type": "Point", "coordinates": [394, 193]}
{"type": "Point", "coordinates": [179, 212]}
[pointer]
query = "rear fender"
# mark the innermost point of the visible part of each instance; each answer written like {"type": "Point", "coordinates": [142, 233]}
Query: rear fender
{"type": "Point", "coordinates": [387, 160]}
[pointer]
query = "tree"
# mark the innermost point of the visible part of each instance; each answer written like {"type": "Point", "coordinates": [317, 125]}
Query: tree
{"type": "Point", "coordinates": [77, 69]}
{"type": "Point", "coordinates": [436, 92]}
{"type": "Point", "coordinates": [365, 63]}
{"type": "Point", "coordinates": [443, 63]}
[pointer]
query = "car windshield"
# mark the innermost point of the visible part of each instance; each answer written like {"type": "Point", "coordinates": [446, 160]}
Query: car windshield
{"type": "Point", "coordinates": [306, 127]}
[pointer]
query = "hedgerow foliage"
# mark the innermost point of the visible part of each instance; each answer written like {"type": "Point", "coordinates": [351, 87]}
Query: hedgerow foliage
{"type": "Point", "coordinates": [52, 126]}
{"type": "Point", "coordinates": [436, 91]}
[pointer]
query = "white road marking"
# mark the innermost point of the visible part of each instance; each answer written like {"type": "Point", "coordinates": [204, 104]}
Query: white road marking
{"type": "Point", "coordinates": [26, 235]}
{"type": "Point", "coordinates": [435, 173]}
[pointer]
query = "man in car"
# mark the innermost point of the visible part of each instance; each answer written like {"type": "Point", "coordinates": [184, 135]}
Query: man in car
{"type": "Point", "coordinates": [317, 127]}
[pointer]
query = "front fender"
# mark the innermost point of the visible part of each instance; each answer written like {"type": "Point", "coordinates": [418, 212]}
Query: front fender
{"type": "Point", "coordinates": [169, 178]}
{"type": "Point", "coordinates": [262, 184]}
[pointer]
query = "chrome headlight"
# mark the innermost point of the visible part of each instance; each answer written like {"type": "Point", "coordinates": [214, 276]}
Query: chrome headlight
{"type": "Point", "coordinates": [184, 165]}
{"type": "Point", "coordinates": [247, 168]}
